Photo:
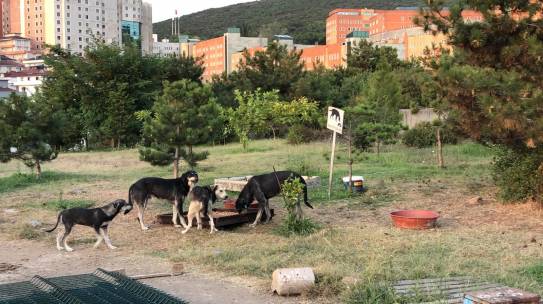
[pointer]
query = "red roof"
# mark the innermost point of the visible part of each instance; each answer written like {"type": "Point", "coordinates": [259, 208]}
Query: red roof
{"type": "Point", "coordinates": [26, 73]}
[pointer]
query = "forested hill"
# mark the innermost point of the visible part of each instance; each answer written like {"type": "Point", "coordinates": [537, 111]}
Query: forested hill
{"type": "Point", "coordinates": [303, 19]}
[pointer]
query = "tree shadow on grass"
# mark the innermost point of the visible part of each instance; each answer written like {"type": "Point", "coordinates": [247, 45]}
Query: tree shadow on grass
{"type": "Point", "coordinates": [19, 181]}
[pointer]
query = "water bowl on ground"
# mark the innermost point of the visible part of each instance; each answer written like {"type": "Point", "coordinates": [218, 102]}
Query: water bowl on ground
{"type": "Point", "coordinates": [414, 219]}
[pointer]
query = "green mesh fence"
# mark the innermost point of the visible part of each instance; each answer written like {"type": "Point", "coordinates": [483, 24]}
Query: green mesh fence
{"type": "Point", "coordinates": [100, 287]}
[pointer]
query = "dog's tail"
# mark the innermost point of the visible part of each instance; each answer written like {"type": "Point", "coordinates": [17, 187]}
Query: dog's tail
{"type": "Point", "coordinates": [56, 225]}
{"type": "Point", "coordinates": [130, 190]}
{"type": "Point", "coordinates": [306, 201]}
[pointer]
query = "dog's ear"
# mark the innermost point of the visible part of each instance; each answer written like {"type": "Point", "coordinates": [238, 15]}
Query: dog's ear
{"type": "Point", "coordinates": [215, 187]}
{"type": "Point", "coordinates": [116, 204]}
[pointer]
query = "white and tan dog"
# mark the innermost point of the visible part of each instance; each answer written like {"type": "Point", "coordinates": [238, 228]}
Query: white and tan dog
{"type": "Point", "coordinates": [201, 199]}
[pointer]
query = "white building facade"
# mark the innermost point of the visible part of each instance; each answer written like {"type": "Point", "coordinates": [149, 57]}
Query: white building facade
{"type": "Point", "coordinates": [75, 24]}
{"type": "Point", "coordinates": [165, 47]}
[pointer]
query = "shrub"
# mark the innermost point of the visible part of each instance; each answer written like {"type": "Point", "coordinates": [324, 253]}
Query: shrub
{"type": "Point", "coordinates": [294, 224]}
{"type": "Point", "coordinates": [519, 174]}
{"type": "Point", "coordinates": [424, 135]}
{"type": "Point", "coordinates": [299, 134]}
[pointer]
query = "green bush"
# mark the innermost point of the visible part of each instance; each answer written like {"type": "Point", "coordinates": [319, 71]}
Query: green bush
{"type": "Point", "coordinates": [62, 204]}
{"type": "Point", "coordinates": [519, 174]}
{"type": "Point", "coordinates": [424, 135]}
{"type": "Point", "coordinates": [293, 224]}
{"type": "Point", "coordinates": [299, 134]}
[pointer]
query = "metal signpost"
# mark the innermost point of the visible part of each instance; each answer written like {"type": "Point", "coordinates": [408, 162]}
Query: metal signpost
{"type": "Point", "coordinates": [335, 123]}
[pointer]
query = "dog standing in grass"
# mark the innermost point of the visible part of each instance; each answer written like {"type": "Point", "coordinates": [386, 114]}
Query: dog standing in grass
{"type": "Point", "coordinates": [201, 199]}
{"type": "Point", "coordinates": [174, 190]}
{"type": "Point", "coordinates": [97, 218]}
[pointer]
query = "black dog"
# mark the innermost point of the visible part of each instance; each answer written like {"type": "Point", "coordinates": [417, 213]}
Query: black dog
{"type": "Point", "coordinates": [97, 218]}
{"type": "Point", "coordinates": [174, 190]}
{"type": "Point", "coordinates": [262, 188]}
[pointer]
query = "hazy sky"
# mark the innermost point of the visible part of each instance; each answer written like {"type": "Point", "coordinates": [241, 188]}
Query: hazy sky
{"type": "Point", "coordinates": [164, 9]}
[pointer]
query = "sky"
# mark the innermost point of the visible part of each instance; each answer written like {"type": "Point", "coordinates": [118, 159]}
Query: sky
{"type": "Point", "coordinates": [165, 9]}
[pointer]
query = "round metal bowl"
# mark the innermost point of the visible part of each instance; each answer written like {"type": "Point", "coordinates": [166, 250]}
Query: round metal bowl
{"type": "Point", "coordinates": [414, 219]}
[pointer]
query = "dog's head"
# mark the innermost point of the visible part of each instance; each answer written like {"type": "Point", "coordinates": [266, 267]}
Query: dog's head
{"type": "Point", "coordinates": [191, 178]}
{"type": "Point", "coordinates": [244, 200]}
{"type": "Point", "coordinates": [220, 192]}
{"type": "Point", "coordinates": [122, 205]}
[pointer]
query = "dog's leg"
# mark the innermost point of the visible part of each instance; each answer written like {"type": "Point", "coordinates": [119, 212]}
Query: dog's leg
{"type": "Point", "coordinates": [105, 235]}
{"type": "Point", "coordinates": [190, 217]}
{"type": "Point", "coordinates": [67, 231]}
{"type": "Point", "coordinates": [199, 220]}
{"type": "Point", "coordinates": [180, 212]}
{"type": "Point", "coordinates": [258, 216]}
{"type": "Point", "coordinates": [268, 212]}
{"type": "Point", "coordinates": [212, 223]}
{"type": "Point", "coordinates": [59, 237]}
{"type": "Point", "coordinates": [99, 238]}
{"type": "Point", "coordinates": [176, 215]}
{"type": "Point", "coordinates": [140, 216]}
{"type": "Point", "coordinates": [261, 198]}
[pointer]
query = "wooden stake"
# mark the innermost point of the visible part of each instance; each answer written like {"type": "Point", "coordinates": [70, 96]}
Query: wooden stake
{"type": "Point", "coordinates": [332, 166]}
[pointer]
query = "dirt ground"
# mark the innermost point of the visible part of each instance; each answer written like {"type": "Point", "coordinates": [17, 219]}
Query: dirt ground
{"type": "Point", "coordinates": [28, 258]}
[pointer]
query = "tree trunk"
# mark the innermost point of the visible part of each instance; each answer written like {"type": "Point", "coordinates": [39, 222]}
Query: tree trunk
{"type": "Point", "coordinates": [190, 155]}
{"type": "Point", "coordinates": [113, 143]}
{"type": "Point", "coordinates": [38, 169]}
{"type": "Point", "coordinates": [119, 142]}
{"type": "Point", "coordinates": [176, 163]}
{"type": "Point", "coordinates": [378, 147]}
{"type": "Point", "coordinates": [440, 162]}
{"type": "Point", "coordinates": [273, 132]}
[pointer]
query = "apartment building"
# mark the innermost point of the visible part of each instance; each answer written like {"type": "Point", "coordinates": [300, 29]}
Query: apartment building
{"type": "Point", "coordinates": [217, 53]}
{"type": "Point", "coordinates": [341, 22]}
{"type": "Point", "coordinates": [17, 47]}
{"type": "Point", "coordinates": [74, 24]}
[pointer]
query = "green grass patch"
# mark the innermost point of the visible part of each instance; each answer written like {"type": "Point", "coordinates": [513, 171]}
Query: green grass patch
{"type": "Point", "coordinates": [19, 181]}
{"type": "Point", "coordinates": [297, 227]}
{"type": "Point", "coordinates": [58, 205]}
{"type": "Point", "coordinates": [534, 272]}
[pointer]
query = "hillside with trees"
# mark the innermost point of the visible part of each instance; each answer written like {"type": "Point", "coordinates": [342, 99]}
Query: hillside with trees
{"type": "Point", "coordinates": [305, 20]}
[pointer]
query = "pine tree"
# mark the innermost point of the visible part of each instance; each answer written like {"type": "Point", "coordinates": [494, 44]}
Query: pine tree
{"type": "Point", "coordinates": [184, 116]}
{"type": "Point", "coordinates": [32, 132]}
{"type": "Point", "coordinates": [494, 80]}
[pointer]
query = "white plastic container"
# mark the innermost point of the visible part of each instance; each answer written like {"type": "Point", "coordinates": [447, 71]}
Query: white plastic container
{"type": "Point", "coordinates": [292, 281]}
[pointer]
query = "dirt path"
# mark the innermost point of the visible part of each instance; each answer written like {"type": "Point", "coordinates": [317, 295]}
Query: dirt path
{"type": "Point", "coordinates": [36, 258]}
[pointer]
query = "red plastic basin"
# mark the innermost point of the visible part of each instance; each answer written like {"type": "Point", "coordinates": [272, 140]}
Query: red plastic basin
{"type": "Point", "coordinates": [231, 204]}
{"type": "Point", "coordinates": [414, 219]}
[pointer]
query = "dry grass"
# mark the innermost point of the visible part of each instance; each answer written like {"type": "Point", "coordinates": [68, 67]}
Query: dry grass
{"type": "Point", "coordinates": [489, 241]}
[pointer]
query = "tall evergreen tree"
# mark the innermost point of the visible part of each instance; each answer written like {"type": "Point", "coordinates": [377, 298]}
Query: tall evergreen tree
{"type": "Point", "coordinates": [185, 115]}
{"type": "Point", "coordinates": [494, 80]}
{"type": "Point", "coordinates": [276, 68]}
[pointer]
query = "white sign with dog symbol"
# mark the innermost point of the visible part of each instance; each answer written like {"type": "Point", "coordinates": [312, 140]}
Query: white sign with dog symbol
{"type": "Point", "coordinates": [335, 119]}
{"type": "Point", "coordinates": [335, 123]}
